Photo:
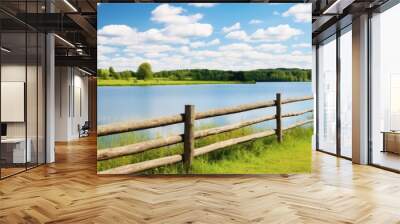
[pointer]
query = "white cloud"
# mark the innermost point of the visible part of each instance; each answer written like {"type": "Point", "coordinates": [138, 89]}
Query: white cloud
{"type": "Point", "coordinates": [125, 35]}
{"type": "Point", "coordinates": [237, 35]}
{"type": "Point", "coordinates": [270, 34]}
{"type": "Point", "coordinates": [155, 55]}
{"type": "Point", "coordinates": [275, 48]}
{"type": "Point", "coordinates": [236, 47]}
{"type": "Point", "coordinates": [301, 45]}
{"type": "Point", "coordinates": [235, 26]}
{"type": "Point", "coordinates": [214, 42]}
{"type": "Point", "coordinates": [101, 49]}
{"type": "Point", "coordinates": [165, 13]}
{"type": "Point", "coordinates": [121, 63]}
{"type": "Point", "coordinates": [179, 25]}
{"type": "Point", "coordinates": [301, 12]}
{"type": "Point", "coordinates": [117, 35]}
{"type": "Point", "coordinates": [245, 57]}
{"type": "Point", "coordinates": [203, 5]}
{"type": "Point", "coordinates": [162, 36]}
{"type": "Point", "coordinates": [206, 54]}
{"type": "Point", "coordinates": [241, 57]}
{"type": "Point", "coordinates": [276, 33]}
{"type": "Point", "coordinates": [149, 48]}
{"type": "Point", "coordinates": [177, 29]}
{"type": "Point", "coordinates": [255, 21]}
{"type": "Point", "coordinates": [198, 44]}
{"type": "Point", "coordinates": [188, 30]}
{"type": "Point", "coordinates": [297, 53]}
{"type": "Point", "coordinates": [184, 50]}
{"type": "Point", "coordinates": [181, 41]}
{"type": "Point", "coordinates": [276, 13]}
{"type": "Point", "coordinates": [104, 51]}
{"type": "Point", "coordinates": [115, 30]}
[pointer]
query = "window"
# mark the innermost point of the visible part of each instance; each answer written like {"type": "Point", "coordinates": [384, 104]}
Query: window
{"type": "Point", "coordinates": [346, 92]}
{"type": "Point", "coordinates": [385, 89]}
{"type": "Point", "coordinates": [327, 95]}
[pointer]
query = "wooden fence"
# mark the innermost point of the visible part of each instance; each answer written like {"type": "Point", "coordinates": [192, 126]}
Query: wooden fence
{"type": "Point", "coordinates": [188, 137]}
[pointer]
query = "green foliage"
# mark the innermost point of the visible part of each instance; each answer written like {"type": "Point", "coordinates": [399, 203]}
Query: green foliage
{"type": "Point", "coordinates": [111, 74]}
{"type": "Point", "coordinates": [103, 74]}
{"type": "Point", "coordinates": [160, 82]}
{"type": "Point", "coordinates": [144, 71]}
{"type": "Point", "coordinates": [259, 75]}
{"type": "Point", "coordinates": [114, 74]}
{"type": "Point", "coordinates": [111, 71]}
{"type": "Point", "coordinates": [126, 75]}
{"type": "Point", "coordinates": [264, 155]}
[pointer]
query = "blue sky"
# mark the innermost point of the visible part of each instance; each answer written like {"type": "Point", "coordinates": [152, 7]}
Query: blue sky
{"type": "Point", "coordinates": [241, 36]}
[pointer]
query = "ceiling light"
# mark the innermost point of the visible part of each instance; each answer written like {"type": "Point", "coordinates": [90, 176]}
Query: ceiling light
{"type": "Point", "coordinates": [79, 51]}
{"type": "Point", "coordinates": [5, 50]}
{"type": "Point", "coordinates": [64, 40]}
{"type": "Point", "coordinates": [337, 7]}
{"type": "Point", "coordinates": [86, 72]}
{"type": "Point", "coordinates": [70, 5]}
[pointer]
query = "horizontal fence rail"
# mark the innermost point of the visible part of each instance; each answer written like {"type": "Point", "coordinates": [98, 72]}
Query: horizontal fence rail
{"type": "Point", "coordinates": [129, 126]}
{"type": "Point", "coordinates": [190, 135]}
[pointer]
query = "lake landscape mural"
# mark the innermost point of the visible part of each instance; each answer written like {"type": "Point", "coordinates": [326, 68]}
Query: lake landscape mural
{"type": "Point", "coordinates": [204, 88]}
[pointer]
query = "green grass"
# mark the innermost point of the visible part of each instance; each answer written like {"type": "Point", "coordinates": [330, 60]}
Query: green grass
{"type": "Point", "coordinates": [260, 156]}
{"type": "Point", "coordinates": [154, 82]}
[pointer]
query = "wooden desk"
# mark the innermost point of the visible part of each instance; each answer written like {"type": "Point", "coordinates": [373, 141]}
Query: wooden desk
{"type": "Point", "coordinates": [13, 150]}
{"type": "Point", "coordinates": [391, 141]}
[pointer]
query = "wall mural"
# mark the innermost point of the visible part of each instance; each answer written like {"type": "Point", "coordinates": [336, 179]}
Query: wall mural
{"type": "Point", "coordinates": [204, 88]}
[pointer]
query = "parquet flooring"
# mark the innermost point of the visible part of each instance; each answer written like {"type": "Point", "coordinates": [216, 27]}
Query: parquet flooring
{"type": "Point", "coordinates": [69, 191]}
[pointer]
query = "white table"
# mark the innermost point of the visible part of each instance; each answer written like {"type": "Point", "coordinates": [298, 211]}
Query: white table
{"type": "Point", "coordinates": [19, 154]}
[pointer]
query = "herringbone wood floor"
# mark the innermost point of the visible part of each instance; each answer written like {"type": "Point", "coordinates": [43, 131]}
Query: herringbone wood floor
{"type": "Point", "coordinates": [70, 192]}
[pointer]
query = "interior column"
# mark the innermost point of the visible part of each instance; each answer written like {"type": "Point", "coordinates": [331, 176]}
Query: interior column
{"type": "Point", "coordinates": [360, 90]}
{"type": "Point", "coordinates": [50, 92]}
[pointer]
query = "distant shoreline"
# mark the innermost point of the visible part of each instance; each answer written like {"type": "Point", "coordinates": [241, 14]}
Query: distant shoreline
{"type": "Point", "coordinates": [113, 82]}
{"type": "Point", "coordinates": [122, 83]}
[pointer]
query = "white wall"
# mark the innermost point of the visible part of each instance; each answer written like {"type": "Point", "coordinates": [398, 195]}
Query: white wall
{"type": "Point", "coordinates": [33, 126]}
{"type": "Point", "coordinates": [62, 81]}
{"type": "Point", "coordinates": [14, 73]}
{"type": "Point", "coordinates": [70, 84]}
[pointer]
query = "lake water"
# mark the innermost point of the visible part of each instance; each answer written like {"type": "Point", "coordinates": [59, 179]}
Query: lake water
{"type": "Point", "coordinates": [116, 104]}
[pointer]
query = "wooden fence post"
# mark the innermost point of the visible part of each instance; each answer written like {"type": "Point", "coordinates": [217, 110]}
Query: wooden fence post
{"type": "Point", "coordinates": [188, 138]}
{"type": "Point", "coordinates": [278, 115]}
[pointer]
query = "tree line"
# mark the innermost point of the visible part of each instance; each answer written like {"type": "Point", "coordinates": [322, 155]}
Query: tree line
{"type": "Point", "coordinates": [144, 72]}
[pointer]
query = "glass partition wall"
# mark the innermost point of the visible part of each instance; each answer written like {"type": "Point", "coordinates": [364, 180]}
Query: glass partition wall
{"type": "Point", "coordinates": [345, 61]}
{"type": "Point", "coordinates": [22, 77]}
{"type": "Point", "coordinates": [334, 104]}
{"type": "Point", "coordinates": [327, 95]}
{"type": "Point", "coordinates": [385, 89]}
